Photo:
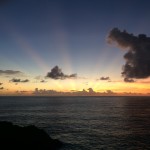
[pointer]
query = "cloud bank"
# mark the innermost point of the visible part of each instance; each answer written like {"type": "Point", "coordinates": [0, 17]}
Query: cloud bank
{"type": "Point", "coordinates": [138, 53]}
{"type": "Point", "coordinates": [88, 92]}
{"type": "Point", "coordinates": [56, 73]}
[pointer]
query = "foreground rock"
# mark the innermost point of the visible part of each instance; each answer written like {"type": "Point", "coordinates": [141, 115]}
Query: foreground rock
{"type": "Point", "coordinates": [21, 138]}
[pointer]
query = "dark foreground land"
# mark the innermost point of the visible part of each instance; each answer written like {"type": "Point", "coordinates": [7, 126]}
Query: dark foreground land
{"type": "Point", "coordinates": [24, 138]}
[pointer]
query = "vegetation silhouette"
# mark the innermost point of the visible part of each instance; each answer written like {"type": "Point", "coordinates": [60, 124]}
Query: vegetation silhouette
{"type": "Point", "coordinates": [23, 138]}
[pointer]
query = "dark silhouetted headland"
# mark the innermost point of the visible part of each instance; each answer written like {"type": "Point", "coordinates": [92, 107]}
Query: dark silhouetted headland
{"type": "Point", "coordinates": [29, 137]}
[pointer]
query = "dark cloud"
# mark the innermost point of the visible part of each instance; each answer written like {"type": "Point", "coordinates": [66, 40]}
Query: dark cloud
{"type": "Point", "coordinates": [110, 92]}
{"type": "Point", "coordinates": [19, 80]}
{"type": "Point", "coordinates": [87, 92]}
{"type": "Point", "coordinates": [72, 93]}
{"type": "Point", "coordinates": [23, 92]}
{"type": "Point", "coordinates": [74, 75]}
{"type": "Point", "coordinates": [26, 80]}
{"type": "Point", "coordinates": [138, 53]}
{"type": "Point", "coordinates": [1, 88]}
{"type": "Point", "coordinates": [129, 80]}
{"type": "Point", "coordinates": [105, 78]}
{"type": "Point", "coordinates": [44, 91]}
{"type": "Point", "coordinates": [42, 81]}
{"type": "Point", "coordinates": [91, 90]}
{"type": "Point", "coordinates": [15, 80]}
{"type": "Point", "coordinates": [1, 83]}
{"type": "Point", "coordinates": [10, 72]}
{"type": "Point", "coordinates": [56, 73]}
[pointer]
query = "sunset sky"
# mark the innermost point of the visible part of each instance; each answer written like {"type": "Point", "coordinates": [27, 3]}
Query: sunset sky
{"type": "Point", "coordinates": [71, 45]}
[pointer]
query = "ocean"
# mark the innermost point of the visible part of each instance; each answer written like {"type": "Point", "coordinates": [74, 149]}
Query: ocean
{"type": "Point", "coordinates": [85, 123]}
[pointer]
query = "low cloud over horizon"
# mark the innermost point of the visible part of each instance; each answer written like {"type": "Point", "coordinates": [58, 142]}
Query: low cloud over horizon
{"type": "Point", "coordinates": [137, 58]}
{"type": "Point", "coordinates": [56, 73]}
{"type": "Point", "coordinates": [19, 80]}
{"type": "Point", "coordinates": [88, 92]}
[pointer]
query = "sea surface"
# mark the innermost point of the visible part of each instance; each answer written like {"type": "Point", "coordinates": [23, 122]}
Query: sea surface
{"type": "Point", "coordinates": [85, 123]}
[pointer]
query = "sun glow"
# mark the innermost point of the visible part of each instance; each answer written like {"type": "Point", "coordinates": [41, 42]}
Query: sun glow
{"type": "Point", "coordinates": [90, 79]}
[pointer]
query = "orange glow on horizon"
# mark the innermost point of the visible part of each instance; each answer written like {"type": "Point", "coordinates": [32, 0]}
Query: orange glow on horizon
{"type": "Point", "coordinates": [75, 85]}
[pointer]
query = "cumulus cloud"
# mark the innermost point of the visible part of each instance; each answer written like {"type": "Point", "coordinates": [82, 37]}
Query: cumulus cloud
{"type": "Point", "coordinates": [72, 93]}
{"type": "Point", "coordinates": [105, 78]}
{"type": "Point", "coordinates": [44, 91]}
{"type": "Point", "coordinates": [87, 92]}
{"type": "Point", "coordinates": [10, 72]}
{"type": "Point", "coordinates": [91, 90]}
{"type": "Point", "coordinates": [138, 53]}
{"type": "Point", "coordinates": [56, 73]}
{"type": "Point", "coordinates": [110, 92]}
{"type": "Point", "coordinates": [19, 80]}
